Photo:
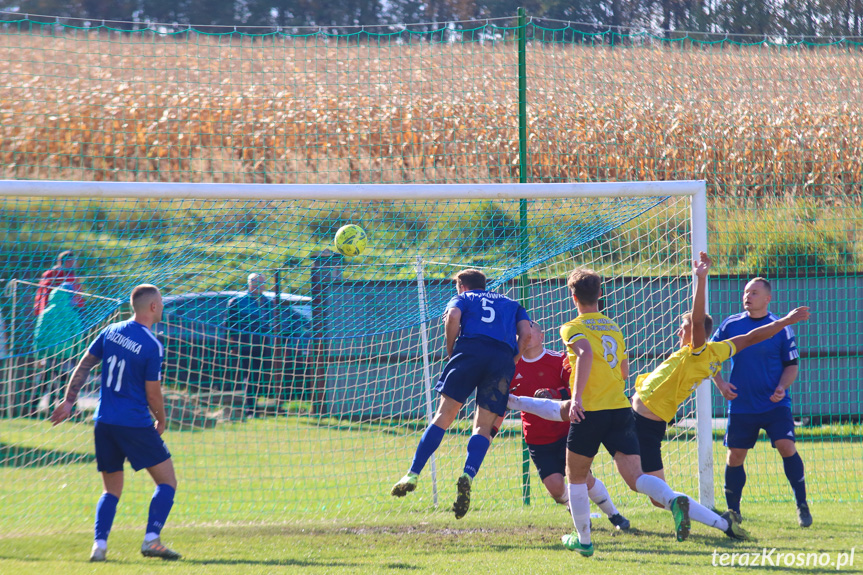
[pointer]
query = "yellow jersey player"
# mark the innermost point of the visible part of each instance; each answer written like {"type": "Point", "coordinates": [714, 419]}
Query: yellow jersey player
{"type": "Point", "coordinates": [660, 393]}
{"type": "Point", "coordinates": [600, 413]}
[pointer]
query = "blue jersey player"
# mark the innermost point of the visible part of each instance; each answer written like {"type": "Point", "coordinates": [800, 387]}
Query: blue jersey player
{"type": "Point", "coordinates": [131, 359]}
{"type": "Point", "coordinates": [758, 399]}
{"type": "Point", "coordinates": [486, 332]}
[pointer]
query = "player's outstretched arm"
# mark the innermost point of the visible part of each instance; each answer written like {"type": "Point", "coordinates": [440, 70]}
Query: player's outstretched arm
{"type": "Point", "coordinates": [156, 404]}
{"type": "Point", "coordinates": [765, 332]}
{"type": "Point", "coordinates": [76, 382]}
{"type": "Point", "coordinates": [700, 269]}
{"type": "Point", "coordinates": [452, 327]}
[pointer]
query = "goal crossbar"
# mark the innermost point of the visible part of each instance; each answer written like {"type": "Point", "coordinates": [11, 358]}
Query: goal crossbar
{"type": "Point", "coordinates": [229, 191]}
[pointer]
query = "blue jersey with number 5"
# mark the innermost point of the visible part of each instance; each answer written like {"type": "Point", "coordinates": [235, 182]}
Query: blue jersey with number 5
{"type": "Point", "coordinates": [487, 314]}
{"type": "Point", "coordinates": [131, 355]}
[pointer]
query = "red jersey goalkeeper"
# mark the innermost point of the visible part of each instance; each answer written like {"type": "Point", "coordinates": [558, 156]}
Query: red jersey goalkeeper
{"type": "Point", "coordinates": [541, 372]}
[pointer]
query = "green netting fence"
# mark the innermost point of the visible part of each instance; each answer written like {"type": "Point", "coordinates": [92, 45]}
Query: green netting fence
{"type": "Point", "coordinates": [774, 128]}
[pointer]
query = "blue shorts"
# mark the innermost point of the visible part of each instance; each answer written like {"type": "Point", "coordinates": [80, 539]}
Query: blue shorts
{"type": "Point", "coordinates": [549, 458]}
{"type": "Point", "coordinates": [743, 428]}
{"type": "Point", "coordinates": [481, 365]}
{"type": "Point", "coordinates": [142, 446]}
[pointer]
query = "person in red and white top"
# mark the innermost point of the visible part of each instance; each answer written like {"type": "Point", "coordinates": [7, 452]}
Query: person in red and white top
{"type": "Point", "coordinates": [541, 372]}
{"type": "Point", "coordinates": [63, 272]}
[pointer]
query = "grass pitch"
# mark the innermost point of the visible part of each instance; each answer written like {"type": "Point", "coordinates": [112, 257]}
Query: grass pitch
{"type": "Point", "coordinates": [482, 541]}
{"type": "Point", "coordinates": [297, 495]}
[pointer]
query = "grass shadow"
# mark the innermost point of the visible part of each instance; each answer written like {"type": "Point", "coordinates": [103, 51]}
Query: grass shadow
{"type": "Point", "coordinates": [21, 456]}
{"type": "Point", "coordinates": [274, 562]}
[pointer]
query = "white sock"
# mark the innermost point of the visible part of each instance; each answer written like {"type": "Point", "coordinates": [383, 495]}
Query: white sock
{"type": "Point", "coordinates": [545, 408]}
{"type": "Point", "coordinates": [150, 537]}
{"type": "Point", "coordinates": [655, 488]}
{"type": "Point", "coordinates": [700, 513]}
{"type": "Point", "coordinates": [599, 495]}
{"type": "Point", "coordinates": [579, 508]}
{"type": "Point", "coordinates": [563, 499]}
{"type": "Point", "coordinates": [101, 544]}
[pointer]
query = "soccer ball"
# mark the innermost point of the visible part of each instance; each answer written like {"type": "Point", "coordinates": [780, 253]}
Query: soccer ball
{"type": "Point", "coordinates": [351, 240]}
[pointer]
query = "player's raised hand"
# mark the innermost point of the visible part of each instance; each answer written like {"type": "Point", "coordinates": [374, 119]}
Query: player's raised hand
{"type": "Point", "coordinates": [61, 413]}
{"type": "Point", "coordinates": [702, 265]}
{"type": "Point", "coordinates": [797, 315]}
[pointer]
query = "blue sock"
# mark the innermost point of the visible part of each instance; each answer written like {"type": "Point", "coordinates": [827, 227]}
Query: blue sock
{"type": "Point", "coordinates": [794, 472]}
{"type": "Point", "coordinates": [429, 443]}
{"type": "Point", "coordinates": [106, 509]}
{"type": "Point", "coordinates": [735, 479]}
{"type": "Point", "coordinates": [160, 507]}
{"type": "Point", "coordinates": [476, 450]}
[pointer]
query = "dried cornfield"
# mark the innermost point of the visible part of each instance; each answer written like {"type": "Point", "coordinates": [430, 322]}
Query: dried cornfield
{"type": "Point", "coordinates": [754, 122]}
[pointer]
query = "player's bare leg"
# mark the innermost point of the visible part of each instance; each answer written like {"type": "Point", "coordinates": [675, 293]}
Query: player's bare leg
{"type": "Point", "coordinates": [163, 473]}
{"type": "Point", "coordinates": [555, 484]}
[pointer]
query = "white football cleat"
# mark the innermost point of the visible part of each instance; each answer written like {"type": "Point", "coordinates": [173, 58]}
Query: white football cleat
{"type": "Point", "coordinates": [97, 553]}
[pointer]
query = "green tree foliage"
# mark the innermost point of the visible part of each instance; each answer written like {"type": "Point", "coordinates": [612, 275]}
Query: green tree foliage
{"type": "Point", "coordinates": [771, 18]}
{"type": "Point", "coordinates": [841, 17]}
{"type": "Point", "coordinates": [97, 9]}
{"type": "Point", "coordinates": [755, 17]}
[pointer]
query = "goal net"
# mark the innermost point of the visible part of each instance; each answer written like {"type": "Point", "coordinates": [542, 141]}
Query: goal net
{"type": "Point", "coordinates": [312, 407]}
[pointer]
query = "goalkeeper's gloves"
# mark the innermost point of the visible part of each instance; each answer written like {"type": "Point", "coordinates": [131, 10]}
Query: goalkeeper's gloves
{"type": "Point", "coordinates": [561, 393]}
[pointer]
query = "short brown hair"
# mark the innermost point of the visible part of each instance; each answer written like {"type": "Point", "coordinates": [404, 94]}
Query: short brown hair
{"type": "Point", "coordinates": [585, 284]}
{"type": "Point", "coordinates": [142, 294]}
{"type": "Point", "coordinates": [763, 281]}
{"type": "Point", "coordinates": [471, 279]}
{"type": "Point", "coordinates": [708, 321]}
